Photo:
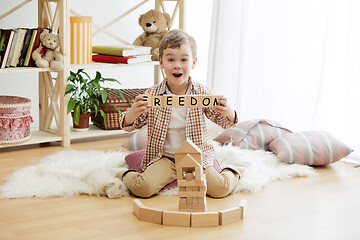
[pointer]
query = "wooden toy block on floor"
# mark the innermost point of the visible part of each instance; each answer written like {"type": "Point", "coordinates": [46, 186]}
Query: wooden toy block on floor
{"type": "Point", "coordinates": [147, 214]}
{"type": "Point", "coordinates": [204, 219]}
{"type": "Point", "coordinates": [136, 207]}
{"type": "Point", "coordinates": [172, 218]}
{"type": "Point", "coordinates": [230, 216]}
{"type": "Point", "coordinates": [242, 206]}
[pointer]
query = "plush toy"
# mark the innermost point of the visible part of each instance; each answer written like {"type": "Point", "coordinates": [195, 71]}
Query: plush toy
{"type": "Point", "coordinates": [155, 24]}
{"type": "Point", "coordinates": [48, 54]}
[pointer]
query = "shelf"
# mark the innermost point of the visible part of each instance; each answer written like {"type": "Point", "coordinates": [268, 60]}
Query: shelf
{"type": "Point", "coordinates": [44, 137]}
{"type": "Point", "coordinates": [36, 137]}
{"type": "Point", "coordinates": [23, 70]}
{"type": "Point", "coordinates": [93, 65]}
{"type": "Point", "coordinates": [111, 65]}
{"type": "Point", "coordinates": [94, 131]}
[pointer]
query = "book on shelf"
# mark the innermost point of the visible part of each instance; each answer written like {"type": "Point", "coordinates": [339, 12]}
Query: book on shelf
{"type": "Point", "coordinates": [25, 47]}
{"type": "Point", "coordinates": [30, 47]}
{"type": "Point", "coordinates": [18, 46]}
{"type": "Point", "coordinates": [119, 59]}
{"type": "Point", "coordinates": [12, 48]}
{"type": "Point", "coordinates": [122, 50]}
{"type": "Point", "coordinates": [6, 38]}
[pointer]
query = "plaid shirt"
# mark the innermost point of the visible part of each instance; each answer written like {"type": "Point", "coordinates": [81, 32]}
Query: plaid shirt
{"type": "Point", "coordinates": [158, 120]}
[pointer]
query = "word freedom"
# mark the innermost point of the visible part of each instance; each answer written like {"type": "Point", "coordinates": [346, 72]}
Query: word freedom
{"type": "Point", "coordinates": [188, 101]}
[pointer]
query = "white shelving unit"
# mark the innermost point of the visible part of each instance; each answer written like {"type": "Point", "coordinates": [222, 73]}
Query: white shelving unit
{"type": "Point", "coordinates": [52, 102]}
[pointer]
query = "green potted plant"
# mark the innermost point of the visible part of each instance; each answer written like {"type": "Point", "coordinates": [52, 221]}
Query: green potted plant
{"type": "Point", "coordinates": [85, 96]}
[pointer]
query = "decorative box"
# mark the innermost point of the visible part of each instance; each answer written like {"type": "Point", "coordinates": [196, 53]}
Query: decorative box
{"type": "Point", "coordinates": [111, 114]}
{"type": "Point", "coordinates": [15, 119]}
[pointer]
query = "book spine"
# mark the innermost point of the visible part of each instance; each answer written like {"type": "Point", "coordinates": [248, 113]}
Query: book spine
{"type": "Point", "coordinates": [12, 48]}
{"type": "Point", "coordinates": [18, 46]}
{"type": "Point", "coordinates": [7, 51]}
{"type": "Point", "coordinates": [31, 45]}
{"type": "Point", "coordinates": [25, 47]}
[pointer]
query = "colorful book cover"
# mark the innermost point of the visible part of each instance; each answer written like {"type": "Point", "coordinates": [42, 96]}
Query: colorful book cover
{"type": "Point", "coordinates": [119, 59]}
{"type": "Point", "coordinates": [123, 51]}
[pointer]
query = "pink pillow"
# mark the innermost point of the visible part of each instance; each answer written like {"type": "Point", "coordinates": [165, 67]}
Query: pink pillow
{"type": "Point", "coordinates": [254, 134]}
{"type": "Point", "coordinates": [310, 148]}
{"type": "Point", "coordinates": [133, 160]}
{"type": "Point", "coordinates": [137, 141]}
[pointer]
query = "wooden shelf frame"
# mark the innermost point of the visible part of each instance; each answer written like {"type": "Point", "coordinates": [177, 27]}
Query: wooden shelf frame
{"type": "Point", "coordinates": [55, 14]}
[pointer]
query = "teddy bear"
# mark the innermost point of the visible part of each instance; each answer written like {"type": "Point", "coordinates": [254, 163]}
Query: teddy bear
{"type": "Point", "coordinates": [155, 24]}
{"type": "Point", "coordinates": [48, 53]}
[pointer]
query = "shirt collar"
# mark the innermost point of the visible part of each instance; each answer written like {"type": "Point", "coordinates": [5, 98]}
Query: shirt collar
{"type": "Point", "coordinates": [163, 87]}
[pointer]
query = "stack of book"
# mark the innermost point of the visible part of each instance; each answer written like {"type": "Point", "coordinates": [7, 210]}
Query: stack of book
{"type": "Point", "coordinates": [127, 54]}
{"type": "Point", "coordinates": [17, 46]}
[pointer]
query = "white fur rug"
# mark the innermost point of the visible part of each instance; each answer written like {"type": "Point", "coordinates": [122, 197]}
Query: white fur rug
{"type": "Point", "coordinates": [70, 173]}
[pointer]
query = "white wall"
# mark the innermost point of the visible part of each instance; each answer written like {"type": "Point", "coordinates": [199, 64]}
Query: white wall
{"type": "Point", "coordinates": [198, 19]}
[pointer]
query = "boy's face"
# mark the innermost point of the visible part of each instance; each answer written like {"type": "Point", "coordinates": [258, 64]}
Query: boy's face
{"type": "Point", "coordinates": [177, 64]}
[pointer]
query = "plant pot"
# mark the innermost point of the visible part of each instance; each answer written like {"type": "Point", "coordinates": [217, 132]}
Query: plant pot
{"type": "Point", "coordinates": [83, 123]}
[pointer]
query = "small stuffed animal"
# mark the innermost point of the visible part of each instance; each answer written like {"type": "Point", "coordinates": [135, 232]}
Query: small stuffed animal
{"type": "Point", "coordinates": [48, 54]}
{"type": "Point", "coordinates": [155, 24]}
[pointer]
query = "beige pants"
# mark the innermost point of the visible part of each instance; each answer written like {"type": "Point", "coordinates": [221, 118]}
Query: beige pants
{"type": "Point", "coordinates": [163, 172]}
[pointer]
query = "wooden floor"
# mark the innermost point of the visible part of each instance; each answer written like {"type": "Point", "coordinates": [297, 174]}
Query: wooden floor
{"type": "Point", "coordinates": [322, 207]}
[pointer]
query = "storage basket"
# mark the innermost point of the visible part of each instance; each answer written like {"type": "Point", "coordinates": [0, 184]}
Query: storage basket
{"type": "Point", "coordinates": [111, 114]}
{"type": "Point", "coordinates": [15, 119]}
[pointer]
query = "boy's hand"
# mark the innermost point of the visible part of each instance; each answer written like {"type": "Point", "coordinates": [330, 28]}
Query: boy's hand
{"type": "Point", "coordinates": [139, 107]}
{"type": "Point", "coordinates": [225, 109]}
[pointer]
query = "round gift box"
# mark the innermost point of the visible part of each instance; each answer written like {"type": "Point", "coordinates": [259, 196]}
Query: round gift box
{"type": "Point", "coordinates": [15, 119]}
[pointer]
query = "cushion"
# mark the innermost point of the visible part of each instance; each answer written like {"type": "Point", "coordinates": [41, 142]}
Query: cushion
{"type": "Point", "coordinates": [133, 160]}
{"type": "Point", "coordinates": [137, 141]}
{"type": "Point", "coordinates": [310, 148]}
{"type": "Point", "coordinates": [254, 134]}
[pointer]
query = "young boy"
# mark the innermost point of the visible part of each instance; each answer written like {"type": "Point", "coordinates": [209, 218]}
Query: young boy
{"type": "Point", "coordinates": [169, 127]}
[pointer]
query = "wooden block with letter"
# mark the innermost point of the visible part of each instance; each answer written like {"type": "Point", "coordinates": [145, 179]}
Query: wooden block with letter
{"type": "Point", "coordinates": [188, 101]}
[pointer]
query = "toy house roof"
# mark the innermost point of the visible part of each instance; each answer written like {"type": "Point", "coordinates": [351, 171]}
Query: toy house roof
{"type": "Point", "coordinates": [188, 161]}
{"type": "Point", "coordinates": [188, 147]}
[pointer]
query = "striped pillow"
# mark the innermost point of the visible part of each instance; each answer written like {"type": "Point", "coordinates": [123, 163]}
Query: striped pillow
{"type": "Point", "coordinates": [137, 141]}
{"type": "Point", "coordinates": [253, 134]}
{"type": "Point", "coordinates": [310, 148]}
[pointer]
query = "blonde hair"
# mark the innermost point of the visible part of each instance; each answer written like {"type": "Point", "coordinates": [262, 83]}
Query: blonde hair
{"type": "Point", "coordinates": [175, 39]}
